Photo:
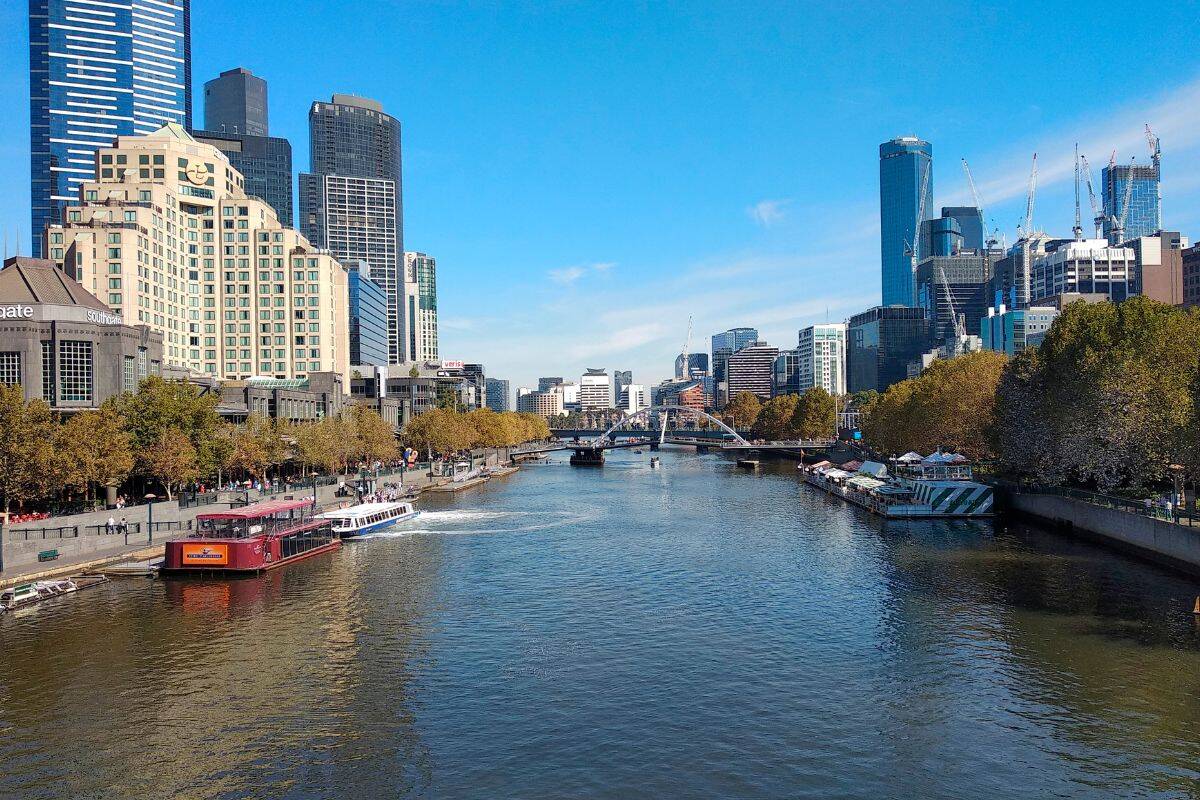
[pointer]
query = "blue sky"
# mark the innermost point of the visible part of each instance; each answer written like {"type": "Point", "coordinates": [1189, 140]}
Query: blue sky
{"type": "Point", "coordinates": [589, 174]}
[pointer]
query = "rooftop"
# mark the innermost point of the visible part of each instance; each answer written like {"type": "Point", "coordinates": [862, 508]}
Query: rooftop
{"type": "Point", "coordinates": [35, 280]}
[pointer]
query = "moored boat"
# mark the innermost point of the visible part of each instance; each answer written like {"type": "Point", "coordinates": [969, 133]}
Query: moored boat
{"type": "Point", "coordinates": [939, 485]}
{"type": "Point", "coordinates": [367, 518]}
{"type": "Point", "coordinates": [250, 540]}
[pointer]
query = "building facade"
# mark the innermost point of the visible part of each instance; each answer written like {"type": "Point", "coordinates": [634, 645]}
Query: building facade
{"type": "Point", "coordinates": [633, 398]}
{"type": "Point", "coordinates": [1089, 266]}
{"type": "Point", "coordinates": [595, 391]}
{"type": "Point", "coordinates": [265, 163]}
{"type": "Point", "coordinates": [544, 404]}
{"type": "Point", "coordinates": [950, 287]}
{"type": "Point", "coordinates": [880, 343]}
{"type": "Point", "coordinates": [1190, 259]}
{"type": "Point", "coordinates": [751, 369]}
{"type": "Point", "coordinates": [98, 71]}
{"type": "Point", "coordinates": [821, 358]}
{"type": "Point", "coordinates": [236, 102]}
{"type": "Point", "coordinates": [697, 366]}
{"type": "Point", "coordinates": [497, 395]}
{"type": "Point", "coordinates": [1144, 215]}
{"type": "Point", "coordinates": [420, 312]}
{"type": "Point", "coordinates": [726, 344]}
{"type": "Point", "coordinates": [166, 236]}
{"type": "Point", "coordinates": [905, 168]}
{"type": "Point", "coordinates": [1010, 331]}
{"type": "Point", "coordinates": [351, 200]}
{"type": "Point", "coordinates": [1159, 259]}
{"type": "Point", "coordinates": [785, 378]}
{"type": "Point", "coordinates": [546, 384]}
{"type": "Point", "coordinates": [368, 319]}
{"type": "Point", "coordinates": [64, 346]}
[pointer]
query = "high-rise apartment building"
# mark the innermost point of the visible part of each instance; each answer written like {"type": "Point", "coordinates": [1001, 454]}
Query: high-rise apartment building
{"type": "Point", "coordinates": [595, 390]}
{"type": "Point", "coordinates": [821, 358]}
{"type": "Point", "coordinates": [1144, 216]}
{"type": "Point", "coordinates": [497, 394]}
{"type": "Point", "coordinates": [905, 171]}
{"type": "Point", "coordinates": [351, 199]}
{"type": "Point", "coordinates": [236, 102]}
{"type": "Point", "coordinates": [235, 122]}
{"type": "Point", "coordinates": [368, 319]}
{"type": "Point", "coordinates": [1090, 266]}
{"type": "Point", "coordinates": [99, 70]}
{"type": "Point", "coordinates": [166, 236]}
{"type": "Point", "coordinates": [419, 310]}
{"type": "Point", "coordinates": [751, 369]}
{"type": "Point", "coordinates": [880, 343]}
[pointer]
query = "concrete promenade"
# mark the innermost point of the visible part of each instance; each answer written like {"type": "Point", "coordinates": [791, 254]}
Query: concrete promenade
{"type": "Point", "coordinates": [93, 547]}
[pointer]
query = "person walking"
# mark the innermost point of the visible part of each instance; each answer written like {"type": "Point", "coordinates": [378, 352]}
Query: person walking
{"type": "Point", "coordinates": [110, 527]}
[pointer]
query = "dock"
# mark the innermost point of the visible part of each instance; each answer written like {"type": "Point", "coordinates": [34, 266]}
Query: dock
{"type": "Point", "coordinates": [458, 486]}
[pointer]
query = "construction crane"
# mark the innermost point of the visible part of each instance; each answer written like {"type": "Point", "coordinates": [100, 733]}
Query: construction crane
{"type": "Point", "coordinates": [1118, 228]}
{"type": "Point", "coordinates": [1156, 159]}
{"type": "Point", "coordinates": [990, 236]}
{"type": "Point", "coordinates": [1023, 289]}
{"type": "Point", "coordinates": [915, 250]}
{"type": "Point", "coordinates": [1078, 229]}
{"type": "Point", "coordinates": [687, 345]}
{"type": "Point", "coordinates": [960, 329]}
{"type": "Point", "coordinates": [1097, 211]}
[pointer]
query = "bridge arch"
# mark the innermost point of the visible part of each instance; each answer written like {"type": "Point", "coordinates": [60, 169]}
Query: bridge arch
{"type": "Point", "coordinates": [645, 413]}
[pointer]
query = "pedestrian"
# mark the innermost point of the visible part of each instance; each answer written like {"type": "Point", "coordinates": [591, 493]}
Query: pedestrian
{"type": "Point", "coordinates": [110, 527]}
{"type": "Point", "coordinates": [124, 527]}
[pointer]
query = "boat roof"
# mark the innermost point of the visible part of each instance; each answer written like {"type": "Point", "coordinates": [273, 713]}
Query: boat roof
{"type": "Point", "coordinates": [362, 508]}
{"type": "Point", "coordinates": [254, 510]}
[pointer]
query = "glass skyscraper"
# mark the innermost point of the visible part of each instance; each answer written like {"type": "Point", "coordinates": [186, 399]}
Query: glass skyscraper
{"type": "Point", "coordinates": [726, 344]}
{"type": "Point", "coordinates": [1144, 217]}
{"type": "Point", "coordinates": [350, 201]}
{"type": "Point", "coordinates": [98, 71]}
{"type": "Point", "coordinates": [368, 320]}
{"type": "Point", "coordinates": [904, 164]}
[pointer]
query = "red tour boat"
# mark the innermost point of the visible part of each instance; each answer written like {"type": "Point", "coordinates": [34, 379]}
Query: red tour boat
{"type": "Point", "coordinates": [250, 540]}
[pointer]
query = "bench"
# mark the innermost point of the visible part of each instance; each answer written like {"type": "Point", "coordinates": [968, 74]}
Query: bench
{"type": "Point", "coordinates": [48, 555]}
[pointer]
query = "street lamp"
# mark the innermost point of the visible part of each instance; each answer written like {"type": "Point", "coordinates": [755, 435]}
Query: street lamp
{"type": "Point", "coordinates": [1177, 471]}
{"type": "Point", "coordinates": [150, 498]}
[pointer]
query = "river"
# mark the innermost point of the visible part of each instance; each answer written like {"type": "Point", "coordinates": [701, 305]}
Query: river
{"type": "Point", "coordinates": [690, 631]}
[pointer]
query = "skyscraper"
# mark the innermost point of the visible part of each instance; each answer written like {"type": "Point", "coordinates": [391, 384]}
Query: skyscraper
{"type": "Point", "coordinates": [497, 394]}
{"type": "Point", "coordinates": [621, 379]}
{"type": "Point", "coordinates": [419, 310]}
{"type": "Point", "coordinates": [751, 369]}
{"type": "Point", "coordinates": [351, 200]}
{"type": "Point", "coordinates": [905, 170]}
{"type": "Point", "coordinates": [236, 102]}
{"type": "Point", "coordinates": [1144, 217]}
{"type": "Point", "coordinates": [368, 319]}
{"type": "Point", "coordinates": [727, 343]}
{"type": "Point", "coordinates": [595, 390]}
{"type": "Point", "coordinates": [821, 358]}
{"type": "Point", "coordinates": [879, 344]}
{"type": "Point", "coordinates": [98, 71]}
{"type": "Point", "coordinates": [235, 122]}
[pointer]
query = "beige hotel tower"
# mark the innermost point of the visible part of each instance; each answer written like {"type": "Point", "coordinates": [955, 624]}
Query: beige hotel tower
{"type": "Point", "coordinates": [167, 237]}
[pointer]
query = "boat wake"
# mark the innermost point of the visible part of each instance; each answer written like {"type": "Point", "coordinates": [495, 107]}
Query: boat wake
{"type": "Point", "coordinates": [460, 522]}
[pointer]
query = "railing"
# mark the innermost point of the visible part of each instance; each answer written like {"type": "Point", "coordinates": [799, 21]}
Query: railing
{"type": "Point", "coordinates": [1145, 508]}
{"type": "Point", "coordinates": [30, 534]}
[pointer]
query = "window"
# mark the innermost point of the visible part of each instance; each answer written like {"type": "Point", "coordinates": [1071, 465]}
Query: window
{"type": "Point", "coordinates": [10, 368]}
{"type": "Point", "coordinates": [75, 371]}
{"type": "Point", "coordinates": [48, 371]}
{"type": "Point", "coordinates": [128, 381]}
{"type": "Point", "coordinates": [141, 364]}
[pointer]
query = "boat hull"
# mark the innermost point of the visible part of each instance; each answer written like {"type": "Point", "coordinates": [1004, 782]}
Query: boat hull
{"type": "Point", "coordinates": [375, 527]}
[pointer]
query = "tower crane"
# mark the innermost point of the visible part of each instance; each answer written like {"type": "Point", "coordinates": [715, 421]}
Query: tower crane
{"type": "Point", "coordinates": [990, 236]}
{"type": "Point", "coordinates": [1078, 229]}
{"type": "Point", "coordinates": [1097, 211]}
{"type": "Point", "coordinates": [915, 249]}
{"type": "Point", "coordinates": [1023, 289]}
{"type": "Point", "coordinates": [1156, 159]}
{"type": "Point", "coordinates": [687, 345]}
{"type": "Point", "coordinates": [1118, 228]}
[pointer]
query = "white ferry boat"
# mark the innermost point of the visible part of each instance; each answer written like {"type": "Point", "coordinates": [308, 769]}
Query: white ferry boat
{"type": "Point", "coordinates": [368, 518]}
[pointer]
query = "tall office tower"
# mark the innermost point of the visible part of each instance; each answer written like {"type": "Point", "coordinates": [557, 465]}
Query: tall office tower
{"type": "Point", "coordinates": [235, 122]}
{"type": "Point", "coordinates": [697, 366]}
{"type": "Point", "coordinates": [175, 244]}
{"type": "Point", "coordinates": [786, 375]}
{"type": "Point", "coordinates": [368, 319]}
{"type": "Point", "coordinates": [727, 343]}
{"type": "Point", "coordinates": [970, 225]}
{"type": "Point", "coordinates": [236, 102]}
{"type": "Point", "coordinates": [98, 71]}
{"type": "Point", "coordinates": [879, 344]}
{"type": "Point", "coordinates": [1144, 217]}
{"type": "Point", "coordinates": [951, 289]}
{"type": "Point", "coordinates": [497, 394]}
{"type": "Point", "coordinates": [751, 369]}
{"type": "Point", "coordinates": [905, 171]}
{"type": "Point", "coordinates": [621, 379]}
{"type": "Point", "coordinates": [546, 384]}
{"type": "Point", "coordinates": [419, 308]}
{"type": "Point", "coordinates": [821, 352]}
{"type": "Point", "coordinates": [595, 390]}
{"type": "Point", "coordinates": [351, 200]}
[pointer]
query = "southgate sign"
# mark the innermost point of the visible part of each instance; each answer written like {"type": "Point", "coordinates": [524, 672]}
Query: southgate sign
{"type": "Point", "coordinates": [104, 318]}
{"type": "Point", "coordinates": [16, 312]}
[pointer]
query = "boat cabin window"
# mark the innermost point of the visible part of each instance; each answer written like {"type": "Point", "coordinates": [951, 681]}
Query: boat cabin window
{"type": "Point", "coordinates": [243, 527]}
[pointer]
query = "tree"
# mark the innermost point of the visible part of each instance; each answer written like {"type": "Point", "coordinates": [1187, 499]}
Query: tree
{"type": "Point", "coordinates": [160, 405]}
{"type": "Point", "coordinates": [774, 422]}
{"type": "Point", "coordinates": [439, 431]}
{"type": "Point", "coordinates": [413, 372]}
{"type": "Point", "coordinates": [323, 445]}
{"type": "Point", "coordinates": [742, 410]}
{"type": "Point", "coordinates": [814, 416]}
{"type": "Point", "coordinates": [256, 446]}
{"type": "Point", "coordinates": [171, 460]}
{"type": "Point", "coordinates": [92, 448]}
{"type": "Point", "coordinates": [26, 452]}
{"type": "Point", "coordinates": [373, 438]}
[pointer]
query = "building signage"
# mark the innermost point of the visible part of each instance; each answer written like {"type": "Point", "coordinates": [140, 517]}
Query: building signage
{"type": "Point", "coordinates": [16, 312]}
{"type": "Point", "coordinates": [104, 318]}
{"type": "Point", "coordinates": [452, 365]}
{"type": "Point", "coordinates": [215, 555]}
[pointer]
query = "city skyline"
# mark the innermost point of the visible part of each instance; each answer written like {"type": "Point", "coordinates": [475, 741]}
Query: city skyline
{"type": "Point", "coordinates": [746, 241]}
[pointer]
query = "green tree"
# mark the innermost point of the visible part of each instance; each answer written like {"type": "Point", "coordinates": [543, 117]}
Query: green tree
{"type": "Point", "coordinates": [171, 460]}
{"type": "Point", "coordinates": [92, 449]}
{"type": "Point", "coordinates": [160, 405]}
{"type": "Point", "coordinates": [742, 411]}
{"type": "Point", "coordinates": [323, 445]}
{"type": "Point", "coordinates": [774, 422]}
{"type": "Point", "coordinates": [26, 447]}
{"type": "Point", "coordinates": [256, 446]}
{"type": "Point", "coordinates": [373, 438]}
{"type": "Point", "coordinates": [814, 416]}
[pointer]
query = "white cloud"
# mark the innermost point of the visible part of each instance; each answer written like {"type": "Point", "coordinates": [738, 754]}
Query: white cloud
{"type": "Point", "coordinates": [566, 275]}
{"type": "Point", "coordinates": [768, 212]}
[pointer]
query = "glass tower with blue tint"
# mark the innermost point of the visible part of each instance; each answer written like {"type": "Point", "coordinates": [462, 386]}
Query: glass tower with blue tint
{"type": "Point", "coordinates": [726, 344]}
{"type": "Point", "coordinates": [98, 71]}
{"type": "Point", "coordinates": [904, 165]}
{"type": "Point", "coordinates": [368, 319]}
{"type": "Point", "coordinates": [1144, 217]}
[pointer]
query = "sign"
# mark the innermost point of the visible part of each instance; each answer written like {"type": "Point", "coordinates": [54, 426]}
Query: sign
{"type": "Point", "coordinates": [209, 555]}
{"type": "Point", "coordinates": [16, 312]}
{"type": "Point", "coordinates": [104, 318]}
{"type": "Point", "coordinates": [452, 364]}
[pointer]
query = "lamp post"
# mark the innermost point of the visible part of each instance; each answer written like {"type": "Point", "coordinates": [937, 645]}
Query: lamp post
{"type": "Point", "coordinates": [150, 498]}
{"type": "Point", "coordinates": [1177, 471]}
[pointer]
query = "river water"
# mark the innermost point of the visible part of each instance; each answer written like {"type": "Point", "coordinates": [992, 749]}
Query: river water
{"type": "Point", "coordinates": [684, 632]}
